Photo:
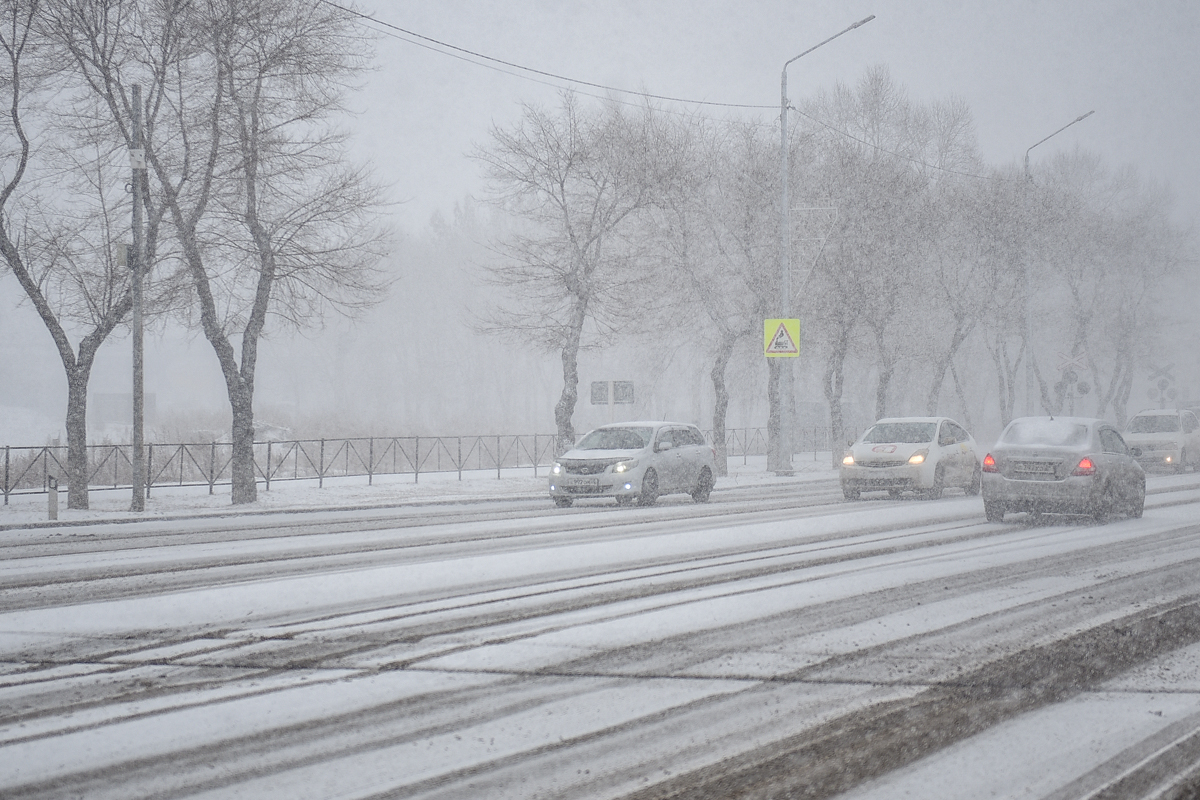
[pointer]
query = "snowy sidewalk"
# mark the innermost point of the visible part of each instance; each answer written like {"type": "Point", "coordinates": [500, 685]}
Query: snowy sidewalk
{"type": "Point", "coordinates": [386, 491]}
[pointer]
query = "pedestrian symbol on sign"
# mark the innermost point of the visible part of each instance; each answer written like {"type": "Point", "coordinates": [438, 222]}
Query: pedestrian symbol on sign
{"type": "Point", "coordinates": [781, 338]}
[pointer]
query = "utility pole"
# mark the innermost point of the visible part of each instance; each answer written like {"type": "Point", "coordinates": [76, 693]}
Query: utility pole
{"type": "Point", "coordinates": [779, 456]}
{"type": "Point", "coordinates": [137, 162]}
{"type": "Point", "coordinates": [1030, 388]}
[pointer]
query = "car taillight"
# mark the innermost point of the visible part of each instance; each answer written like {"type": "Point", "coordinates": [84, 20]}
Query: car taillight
{"type": "Point", "coordinates": [989, 464]}
{"type": "Point", "coordinates": [1085, 467]}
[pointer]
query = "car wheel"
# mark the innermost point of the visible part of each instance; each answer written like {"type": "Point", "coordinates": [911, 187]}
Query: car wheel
{"type": "Point", "coordinates": [1181, 467]}
{"type": "Point", "coordinates": [1102, 507]}
{"type": "Point", "coordinates": [704, 486]}
{"type": "Point", "coordinates": [976, 481]}
{"type": "Point", "coordinates": [1138, 503]}
{"type": "Point", "coordinates": [563, 502]}
{"type": "Point", "coordinates": [649, 489]}
{"type": "Point", "coordinates": [993, 510]}
{"type": "Point", "coordinates": [624, 500]}
{"type": "Point", "coordinates": [938, 484]}
{"type": "Point", "coordinates": [893, 492]}
{"type": "Point", "coordinates": [850, 494]}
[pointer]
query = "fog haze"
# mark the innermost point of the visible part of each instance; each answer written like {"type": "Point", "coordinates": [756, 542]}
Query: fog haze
{"type": "Point", "coordinates": [417, 364]}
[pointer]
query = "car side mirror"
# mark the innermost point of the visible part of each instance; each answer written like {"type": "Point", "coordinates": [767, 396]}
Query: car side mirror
{"type": "Point", "coordinates": [663, 446]}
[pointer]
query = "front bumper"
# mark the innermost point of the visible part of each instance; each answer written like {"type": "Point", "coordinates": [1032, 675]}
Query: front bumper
{"type": "Point", "coordinates": [1152, 459]}
{"type": "Point", "coordinates": [902, 476]}
{"type": "Point", "coordinates": [604, 485]}
{"type": "Point", "coordinates": [1076, 494]}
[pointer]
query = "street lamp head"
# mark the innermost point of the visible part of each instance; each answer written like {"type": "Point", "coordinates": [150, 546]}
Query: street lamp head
{"type": "Point", "coordinates": [827, 41]}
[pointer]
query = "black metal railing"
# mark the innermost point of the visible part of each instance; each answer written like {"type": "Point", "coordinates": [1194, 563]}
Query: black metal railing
{"type": "Point", "coordinates": [27, 470]}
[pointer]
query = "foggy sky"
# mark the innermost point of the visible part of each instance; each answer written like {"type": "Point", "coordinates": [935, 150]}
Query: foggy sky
{"type": "Point", "coordinates": [1025, 68]}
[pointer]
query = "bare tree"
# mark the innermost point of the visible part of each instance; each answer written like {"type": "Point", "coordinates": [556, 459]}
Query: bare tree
{"type": "Point", "coordinates": [238, 139]}
{"type": "Point", "coordinates": [711, 240]}
{"type": "Point", "coordinates": [62, 249]}
{"type": "Point", "coordinates": [576, 176]}
{"type": "Point", "coordinates": [1109, 247]}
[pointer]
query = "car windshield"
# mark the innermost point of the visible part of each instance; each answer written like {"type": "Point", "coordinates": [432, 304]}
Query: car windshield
{"type": "Point", "coordinates": [900, 432]}
{"type": "Point", "coordinates": [1052, 432]}
{"type": "Point", "coordinates": [616, 439]}
{"type": "Point", "coordinates": [1154, 423]}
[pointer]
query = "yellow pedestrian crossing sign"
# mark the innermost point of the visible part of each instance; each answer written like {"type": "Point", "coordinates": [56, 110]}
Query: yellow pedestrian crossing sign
{"type": "Point", "coordinates": [781, 338]}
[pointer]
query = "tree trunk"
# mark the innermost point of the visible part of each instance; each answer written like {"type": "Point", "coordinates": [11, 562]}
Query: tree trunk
{"type": "Point", "coordinates": [945, 363]}
{"type": "Point", "coordinates": [721, 403]}
{"type": "Point", "coordinates": [887, 367]}
{"type": "Point", "coordinates": [1048, 406]}
{"type": "Point", "coordinates": [77, 455]}
{"type": "Point", "coordinates": [834, 378]}
{"type": "Point", "coordinates": [962, 397]}
{"type": "Point", "coordinates": [245, 485]}
{"type": "Point", "coordinates": [564, 410]}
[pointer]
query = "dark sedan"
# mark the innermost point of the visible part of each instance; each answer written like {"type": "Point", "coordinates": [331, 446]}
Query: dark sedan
{"type": "Point", "coordinates": [1062, 465]}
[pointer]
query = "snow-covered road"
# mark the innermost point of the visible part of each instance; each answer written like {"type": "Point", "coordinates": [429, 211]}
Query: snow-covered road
{"type": "Point", "coordinates": [762, 643]}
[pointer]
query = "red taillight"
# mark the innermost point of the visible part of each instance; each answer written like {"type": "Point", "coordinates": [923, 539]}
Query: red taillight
{"type": "Point", "coordinates": [1085, 467]}
{"type": "Point", "coordinates": [989, 464]}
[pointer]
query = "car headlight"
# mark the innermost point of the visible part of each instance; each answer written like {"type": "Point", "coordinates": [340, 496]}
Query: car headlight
{"type": "Point", "coordinates": [556, 469]}
{"type": "Point", "coordinates": [848, 461]}
{"type": "Point", "coordinates": [918, 457]}
{"type": "Point", "coordinates": [624, 466]}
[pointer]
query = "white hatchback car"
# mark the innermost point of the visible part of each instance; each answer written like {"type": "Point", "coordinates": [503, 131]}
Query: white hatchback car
{"type": "Point", "coordinates": [635, 461]}
{"type": "Point", "coordinates": [921, 454]}
{"type": "Point", "coordinates": [1164, 438]}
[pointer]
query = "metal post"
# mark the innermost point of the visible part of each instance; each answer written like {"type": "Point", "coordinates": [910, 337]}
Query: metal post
{"type": "Point", "coordinates": [137, 161]}
{"type": "Point", "coordinates": [149, 467]}
{"type": "Point", "coordinates": [212, 466]}
{"type": "Point", "coordinates": [268, 472]}
{"type": "Point", "coordinates": [536, 455]}
{"type": "Point", "coordinates": [498, 456]}
{"type": "Point", "coordinates": [371, 461]}
{"type": "Point", "coordinates": [787, 398]}
{"type": "Point", "coordinates": [321, 469]}
{"type": "Point", "coordinates": [5, 474]}
{"type": "Point", "coordinates": [783, 447]}
{"type": "Point", "coordinates": [1029, 377]}
{"type": "Point", "coordinates": [460, 458]}
{"type": "Point", "coordinates": [52, 497]}
{"type": "Point", "coordinates": [417, 460]}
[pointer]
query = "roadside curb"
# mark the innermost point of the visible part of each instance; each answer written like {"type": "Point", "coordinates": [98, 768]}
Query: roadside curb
{"type": "Point", "coordinates": [227, 514]}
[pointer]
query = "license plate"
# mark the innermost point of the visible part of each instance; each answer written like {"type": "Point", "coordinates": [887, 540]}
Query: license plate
{"type": "Point", "coordinates": [1035, 466]}
{"type": "Point", "coordinates": [591, 482]}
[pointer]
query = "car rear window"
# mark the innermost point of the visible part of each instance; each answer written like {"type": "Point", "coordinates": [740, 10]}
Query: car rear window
{"type": "Point", "coordinates": [616, 439]}
{"type": "Point", "coordinates": [1154, 423]}
{"type": "Point", "coordinates": [1052, 432]}
{"type": "Point", "coordinates": [900, 432]}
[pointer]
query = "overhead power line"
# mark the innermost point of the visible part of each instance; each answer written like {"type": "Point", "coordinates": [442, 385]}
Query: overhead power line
{"type": "Point", "coordinates": [544, 77]}
{"type": "Point", "coordinates": [426, 41]}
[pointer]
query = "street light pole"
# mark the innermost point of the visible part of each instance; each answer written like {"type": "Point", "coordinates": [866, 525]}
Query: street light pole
{"type": "Point", "coordinates": [1029, 379]}
{"type": "Point", "coordinates": [137, 162]}
{"type": "Point", "coordinates": [782, 461]}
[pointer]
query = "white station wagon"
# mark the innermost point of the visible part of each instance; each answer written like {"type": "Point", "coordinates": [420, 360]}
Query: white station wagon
{"type": "Point", "coordinates": [635, 461]}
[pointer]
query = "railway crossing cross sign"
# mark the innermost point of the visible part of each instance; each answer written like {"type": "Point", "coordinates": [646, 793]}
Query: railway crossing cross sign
{"type": "Point", "coordinates": [1066, 362]}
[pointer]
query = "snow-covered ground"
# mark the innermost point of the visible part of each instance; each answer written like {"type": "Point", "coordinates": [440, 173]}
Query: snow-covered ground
{"type": "Point", "coordinates": [585, 654]}
{"type": "Point", "coordinates": [111, 505]}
